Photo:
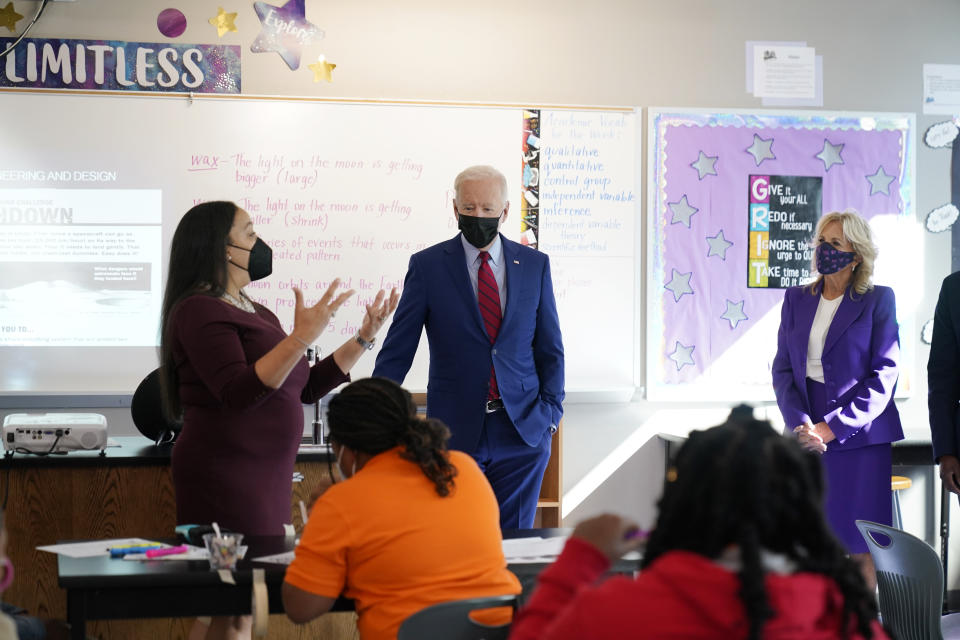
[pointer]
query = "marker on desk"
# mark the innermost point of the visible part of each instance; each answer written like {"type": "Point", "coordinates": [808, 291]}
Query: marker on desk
{"type": "Point", "coordinates": [119, 552]}
{"type": "Point", "coordinates": [169, 551]}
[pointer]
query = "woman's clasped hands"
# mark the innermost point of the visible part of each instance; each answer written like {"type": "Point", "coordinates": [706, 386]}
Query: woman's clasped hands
{"type": "Point", "coordinates": [814, 437]}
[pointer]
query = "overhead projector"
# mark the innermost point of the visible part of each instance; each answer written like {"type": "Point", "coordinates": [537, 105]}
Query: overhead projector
{"type": "Point", "coordinates": [54, 432]}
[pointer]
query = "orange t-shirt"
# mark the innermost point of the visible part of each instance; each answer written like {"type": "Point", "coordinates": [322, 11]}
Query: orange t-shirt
{"type": "Point", "coordinates": [386, 539]}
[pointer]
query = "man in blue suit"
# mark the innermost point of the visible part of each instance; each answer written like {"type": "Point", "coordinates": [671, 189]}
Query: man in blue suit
{"type": "Point", "coordinates": [496, 356]}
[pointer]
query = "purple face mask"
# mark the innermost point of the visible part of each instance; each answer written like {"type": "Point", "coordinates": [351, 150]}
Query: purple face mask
{"type": "Point", "coordinates": [830, 259]}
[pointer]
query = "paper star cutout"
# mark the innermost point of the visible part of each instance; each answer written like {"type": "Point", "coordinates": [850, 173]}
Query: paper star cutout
{"type": "Point", "coordinates": [284, 30]}
{"type": "Point", "coordinates": [880, 182]}
{"type": "Point", "coordinates": [734, 313]}
{"type": "Point", "coordinates": [9, 18]}
{"type": "Point", "coordinates": [682, 211]}
{"type": "Point", "coordinates": [322, 70]}
{"type": "Point", "coordinates": [830, 155]}
{"type": "Point", "coordinates": [679, 284]}
{"type": "Point", "coordinates": [760, 149]}
{"type": "Point", "coordinates": [705, 165]}
{"type": "Point", "coordinates": [718, 245]}
{"type": "Point", "coordinates": [223, 21]}
{"type": "Point", "coordinates": [682, 355]}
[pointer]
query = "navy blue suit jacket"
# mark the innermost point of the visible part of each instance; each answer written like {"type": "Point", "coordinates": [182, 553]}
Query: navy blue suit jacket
{"type": "Point", "coordinates": [943, 370]}
{"type": "Point", "coordinates": [860, 359]}
{"type": "Point", "coordinates": [527, 355]}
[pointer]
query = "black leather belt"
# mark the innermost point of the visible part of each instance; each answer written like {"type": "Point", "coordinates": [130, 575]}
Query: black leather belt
{"type": "Point", "coordinates": [494, 405]}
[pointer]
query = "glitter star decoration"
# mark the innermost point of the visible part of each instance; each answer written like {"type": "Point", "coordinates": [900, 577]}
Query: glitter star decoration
{"type": "Point", "coordinates": [679, 284]}
{"type": "Point", "coordinates": [682, 210]}
{"type": "Point", "coordinates": [830, 154]}
{"type": "Point", "coordinates": [880, 182]}
{"type": "Point", "coordinates": [682, 355]}
{"type": "Point", "coordinates": [322, 70]}
{"type": "Point", "coordinates": [705, 165]}
{"type": "Point", "coordinates": [284, 30]}
{"type": "Point", "coordinates": [718, 245]}
{"type": "Point", "coordinates": [9, 18]}
{"type": "Point", "coordinates": [761, 149]}
{"type": "Point", "coordinates": [223, 21]}
{"type": "Point", "coordinates": [734, 313]}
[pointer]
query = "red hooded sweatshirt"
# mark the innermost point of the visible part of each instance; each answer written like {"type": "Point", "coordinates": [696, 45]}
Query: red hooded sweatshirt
{"type": "Point", "coordinates": [681, 595]}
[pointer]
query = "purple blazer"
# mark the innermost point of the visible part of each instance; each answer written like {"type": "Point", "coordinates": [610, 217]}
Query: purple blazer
{"type": "Point", "coordinates": [860, 366]}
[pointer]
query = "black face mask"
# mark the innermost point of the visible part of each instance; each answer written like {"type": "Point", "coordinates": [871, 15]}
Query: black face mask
{"type": "Point", "coordinates": [478, 231]}
{"type": "Point", "coordinates": [260, 264]}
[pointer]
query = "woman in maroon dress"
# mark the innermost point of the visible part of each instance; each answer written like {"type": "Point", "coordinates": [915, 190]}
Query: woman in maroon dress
{"type": "Point", "coordinates": [235, 378]}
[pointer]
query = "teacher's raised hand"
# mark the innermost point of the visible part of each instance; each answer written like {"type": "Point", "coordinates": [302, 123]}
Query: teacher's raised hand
{"type": "Point", "coordinates": [377, 313]}
{"type": "Point", "coordinates": [309, 322]}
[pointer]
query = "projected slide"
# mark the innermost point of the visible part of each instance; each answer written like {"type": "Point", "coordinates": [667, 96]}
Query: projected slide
{"type": "Point", "coordinates": [79, 267]}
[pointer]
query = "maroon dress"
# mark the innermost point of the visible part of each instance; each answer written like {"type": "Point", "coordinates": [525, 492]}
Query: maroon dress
{"type": "Point", "coordinates": [233, 461]}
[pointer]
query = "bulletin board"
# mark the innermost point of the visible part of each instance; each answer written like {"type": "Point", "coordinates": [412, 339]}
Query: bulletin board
{"type": "Point", "coordinates": [732, 202]}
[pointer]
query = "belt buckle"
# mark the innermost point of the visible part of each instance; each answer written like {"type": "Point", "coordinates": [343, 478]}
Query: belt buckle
{"type": "Point", "coordinates": [493, 406]}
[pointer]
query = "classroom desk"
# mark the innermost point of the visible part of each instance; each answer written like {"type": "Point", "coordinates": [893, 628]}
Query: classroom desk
{"type": "Point", "coordinates": [104, 588]}
{"type": "Point", "coordinates": [128, 492]}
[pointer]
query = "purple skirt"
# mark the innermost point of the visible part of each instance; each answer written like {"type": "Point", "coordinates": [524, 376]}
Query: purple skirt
{"type": "Point", "coordinates": [857, 481]}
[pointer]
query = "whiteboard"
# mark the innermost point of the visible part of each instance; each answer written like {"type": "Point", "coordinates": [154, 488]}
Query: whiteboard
{"type": "Point", "coordinates": [92, 187]}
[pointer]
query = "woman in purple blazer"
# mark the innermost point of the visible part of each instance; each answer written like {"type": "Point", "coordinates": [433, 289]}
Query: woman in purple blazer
{"type": "Point", "coordinates": [835, 373]}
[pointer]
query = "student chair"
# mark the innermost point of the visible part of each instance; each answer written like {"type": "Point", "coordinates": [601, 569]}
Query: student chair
{"type": "Point", "coordinates": [910, 581]}
{"type": "Point", "coordinates": [451, 621]}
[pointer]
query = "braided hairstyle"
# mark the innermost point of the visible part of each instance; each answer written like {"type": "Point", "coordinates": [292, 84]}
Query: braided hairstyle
{"type": "Point", "coordinates": [743, 484]}
{"type": "Point", "coordinates": [373, 415]}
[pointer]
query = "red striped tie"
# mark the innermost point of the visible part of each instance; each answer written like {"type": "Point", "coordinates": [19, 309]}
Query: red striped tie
{"type": "Point", "coordinates": [489, 296]}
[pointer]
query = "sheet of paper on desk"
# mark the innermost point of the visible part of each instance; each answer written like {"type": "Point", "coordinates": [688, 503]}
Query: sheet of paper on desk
{"type": "Point", "coordinates": [278, 558]}
{"type": "Point", "coordinates": [536, 550]}
{"type": "Point", "coordinates": [93, 548]}
{"type": "Point", "coordinates": [518, 550]}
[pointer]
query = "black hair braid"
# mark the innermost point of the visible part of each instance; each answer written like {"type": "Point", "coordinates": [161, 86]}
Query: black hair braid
{"type": "Point", "coordinates": [373, 415]}
{"type": "Point", "coordinates": [743, 484]}
{"type": "Point", "coordinates": [753, 591]}
{"type": "Point", "coordinates": [425, 443]}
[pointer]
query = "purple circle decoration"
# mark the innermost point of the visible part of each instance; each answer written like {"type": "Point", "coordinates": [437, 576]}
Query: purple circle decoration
{"type": "Point", "coordinates": [171, 22]}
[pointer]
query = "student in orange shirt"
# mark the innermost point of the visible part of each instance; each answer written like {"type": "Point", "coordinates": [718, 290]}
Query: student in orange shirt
{"type": "Point", "coordinates": [413, 524]}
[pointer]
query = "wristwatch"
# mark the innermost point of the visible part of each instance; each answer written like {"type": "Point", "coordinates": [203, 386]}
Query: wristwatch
{"type": "Point", "coordinates": [368, 345]}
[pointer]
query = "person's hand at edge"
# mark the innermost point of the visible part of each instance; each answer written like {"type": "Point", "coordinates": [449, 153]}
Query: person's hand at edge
{"type": "Point", "coordinates": [612, 535]}
{"type": "Point", "coordinates": [950, 472]}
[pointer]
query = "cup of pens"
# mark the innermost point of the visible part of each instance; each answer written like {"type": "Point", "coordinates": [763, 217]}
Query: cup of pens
{"type": "Point", "coordinates": [224, 549]}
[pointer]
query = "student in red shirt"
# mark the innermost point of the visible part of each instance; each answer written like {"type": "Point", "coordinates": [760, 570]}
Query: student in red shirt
{"type": "Point", "coordinates": [741, 549]}
{"type": "Point", "coordinates": [411, 526]}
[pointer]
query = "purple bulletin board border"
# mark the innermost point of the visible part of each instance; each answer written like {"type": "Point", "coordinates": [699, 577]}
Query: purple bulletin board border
{"type": "Point", "coordinates": [679, 369]}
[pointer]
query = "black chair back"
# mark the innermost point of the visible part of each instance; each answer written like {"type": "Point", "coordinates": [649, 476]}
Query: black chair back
{"type": "Point", "coordinates": [451, 621]}
{"type": "Point", "coordinates": [146, 408]}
